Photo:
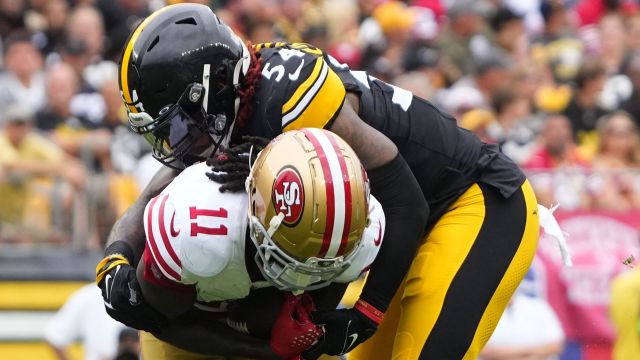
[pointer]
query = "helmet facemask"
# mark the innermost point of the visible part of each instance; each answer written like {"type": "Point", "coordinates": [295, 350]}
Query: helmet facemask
{"type": "Point", "coordinates": [177, 130]}
{"type": "Point", "coordinates": [287, 273]}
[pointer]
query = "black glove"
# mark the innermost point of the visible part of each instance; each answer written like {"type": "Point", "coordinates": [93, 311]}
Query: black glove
{"type": "Point", "coordinates": [343, 330]}
{"type": "Point", "coordinates": [121, 292]}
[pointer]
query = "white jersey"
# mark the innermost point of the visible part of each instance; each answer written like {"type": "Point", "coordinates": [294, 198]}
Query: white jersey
{"type": "Point", "coordinates": [196, 236]}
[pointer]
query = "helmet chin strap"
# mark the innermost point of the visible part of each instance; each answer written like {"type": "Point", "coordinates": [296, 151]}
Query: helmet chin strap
{"type": "Point", "coordinates": [206, 74]}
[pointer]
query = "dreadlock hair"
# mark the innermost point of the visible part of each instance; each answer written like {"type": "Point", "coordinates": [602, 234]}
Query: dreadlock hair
{"type": "Point", "coordinates": [249, 87]}
{"type": "Point", "coordinates": [231, 166]}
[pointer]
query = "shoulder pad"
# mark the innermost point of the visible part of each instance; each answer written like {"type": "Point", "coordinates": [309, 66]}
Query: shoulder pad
{"type": "Point", "coordinates": [191, 225]}
{"type": "Point", "coordinates": [311, 92]}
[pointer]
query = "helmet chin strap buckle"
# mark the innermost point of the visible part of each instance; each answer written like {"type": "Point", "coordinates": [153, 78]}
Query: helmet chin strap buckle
{"type": "Point", "coordinates": [195, 92]}
{"type": "Point", "coordinates": [274, 224]}
{"type": "Point", "coordinates": [220, 123]}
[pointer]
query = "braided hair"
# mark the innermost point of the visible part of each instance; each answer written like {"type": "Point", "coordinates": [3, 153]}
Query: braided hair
{"type": "Point", "coordinates": [231, 166]}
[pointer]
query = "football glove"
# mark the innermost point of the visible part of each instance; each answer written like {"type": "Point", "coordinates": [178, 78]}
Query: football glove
{"type": "Point", "coordinates": [294, 331]}
{"type": "Point", "coordinates": [344, 329]}
{"type": "Point", "coordinates": [121, 292]}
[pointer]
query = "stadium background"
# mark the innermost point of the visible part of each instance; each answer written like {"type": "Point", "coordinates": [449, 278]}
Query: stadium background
{"type": "Point", "coordinates": [555, 82]}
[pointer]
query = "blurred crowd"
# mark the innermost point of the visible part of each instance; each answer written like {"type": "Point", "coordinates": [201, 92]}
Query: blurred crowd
{"type": "Point", "coordinates": [555, 82]}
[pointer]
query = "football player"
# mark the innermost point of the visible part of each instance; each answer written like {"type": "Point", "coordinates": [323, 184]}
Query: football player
{"type": "Point", "coordinates": [211, 247]}
{"type": "Point", "coordinates": [462, 224]}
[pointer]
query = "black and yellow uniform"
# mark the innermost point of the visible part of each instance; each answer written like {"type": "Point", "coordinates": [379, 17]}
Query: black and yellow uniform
{"type": "Point", "coordinates": [483, 224]}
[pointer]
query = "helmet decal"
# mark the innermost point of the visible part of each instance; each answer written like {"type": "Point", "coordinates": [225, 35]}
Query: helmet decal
{"type": "Point", "coordinates": [288, 195]}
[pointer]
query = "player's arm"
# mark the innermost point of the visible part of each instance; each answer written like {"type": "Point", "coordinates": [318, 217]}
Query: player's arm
{"type": "Point", "coordinates": [195, 330]}
{"type": "Point", "coordinates": [123, 302]}
{"type": "Point", "coordinates": [198, 332]}
{"type": "Point", "coordinates": [406, 211]}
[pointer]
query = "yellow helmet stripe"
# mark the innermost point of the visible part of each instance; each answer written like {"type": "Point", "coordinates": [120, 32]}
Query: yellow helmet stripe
{"type": "Point", "coordinates": [124, 67]}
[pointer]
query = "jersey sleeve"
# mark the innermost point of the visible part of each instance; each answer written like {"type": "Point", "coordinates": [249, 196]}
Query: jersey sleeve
{"type": "Point", "coordinates": [313, 92]}
{"type": "Point", "coordinates": [370, 244]}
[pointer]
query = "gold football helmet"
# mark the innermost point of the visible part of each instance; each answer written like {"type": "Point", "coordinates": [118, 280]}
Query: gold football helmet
{"type": "Point", "coordinates": [308, 208]}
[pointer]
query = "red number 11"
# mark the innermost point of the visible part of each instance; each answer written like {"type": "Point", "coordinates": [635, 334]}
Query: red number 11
{"type": "Point", "coordinates": [197, 229]}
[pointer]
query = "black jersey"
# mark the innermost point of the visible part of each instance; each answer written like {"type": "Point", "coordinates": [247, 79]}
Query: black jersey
{"type": "Point", "coordinates": [302, 87]}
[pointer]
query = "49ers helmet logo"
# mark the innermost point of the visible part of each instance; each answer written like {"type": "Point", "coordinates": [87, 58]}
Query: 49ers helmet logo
{"type": "Point", "coordinates": [288, 195]}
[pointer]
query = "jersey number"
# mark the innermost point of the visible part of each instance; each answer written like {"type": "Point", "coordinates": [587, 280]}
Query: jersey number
{"type": "Point", "coordinates": [196, 229]}
{"type": "Point", "coordinates": [279, 70]}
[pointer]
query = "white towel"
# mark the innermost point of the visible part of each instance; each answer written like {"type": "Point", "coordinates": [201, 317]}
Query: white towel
{"type": "Point", "coordinates": [551, 227]}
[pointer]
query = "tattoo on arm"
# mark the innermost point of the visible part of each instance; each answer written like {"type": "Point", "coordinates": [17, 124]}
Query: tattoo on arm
{"type": "Point", "coordinates": [373, 148]}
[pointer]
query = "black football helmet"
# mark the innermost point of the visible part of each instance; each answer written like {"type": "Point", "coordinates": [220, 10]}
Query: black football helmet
{"type": "Point", "coordinates": [179, 76]}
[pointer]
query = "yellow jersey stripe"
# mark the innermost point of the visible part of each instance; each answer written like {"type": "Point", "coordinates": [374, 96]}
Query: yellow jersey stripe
{"type": "Point", "coordinates": [323, 107]}
{"type": "Point", "coordinates": [124, 67]}
{"type": "Point", "coordinates": [303, 88]}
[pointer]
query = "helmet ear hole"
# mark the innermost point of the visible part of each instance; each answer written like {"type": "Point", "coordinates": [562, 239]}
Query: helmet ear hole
{"type": "Point", "coordinates": [154, 43]}
{"type": "Point", "coordinates": [188, 20]}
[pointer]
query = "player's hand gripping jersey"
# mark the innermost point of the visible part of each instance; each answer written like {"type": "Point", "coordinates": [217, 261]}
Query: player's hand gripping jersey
{"type": "Point", "coordinates": [303, 87]}
{"type": "Point", "coordinates": [196, 237]}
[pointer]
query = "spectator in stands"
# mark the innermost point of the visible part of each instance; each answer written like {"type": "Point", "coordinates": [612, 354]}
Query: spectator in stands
{"type": "Point", "coordinates": [55, 12]}
{"type": "Point", "coordinates": [128, 345]}
{"type": "Point", "coordinates": [31, 162]}
{"type": "Point", "coordinates": [22, 82]}
{"type": "Point", "coordinates": [632, 105]}
{"type": "Point", "coordinates": [555, 147]}
{"type": "Point", "coordinates": [515, 128]}
{"type": "Point", "coordinates": [85, 23]}
{"type": "Point", "coordinates": [424, 58]}
{"type": "Point", "coordinates": [476, 90]}
{"type": "Point", "coordinates": [82, 318]}
{"type": "Point", "coordinates": [556, 22]}
{"type": "Point", "coordinates": [528, 329]}
{"type": "Point", "coordinates": [612, 43]}
{"type": "Point", "coordinates": [633, 32]}
{"type": "Point", "coordinates": [510, 39]}
{"type": "Point", "coordinates": [385, 59]}
{"type": "Point", "coordinates": [556, 150]}
{"type": "Point", "coordinates": [625, 314]}
{"type": "Point", "coordinates": [583, 109]}
{"type": "Point", "coordinates": [77, 136]}
{"type": "Point", "coordinates": [465, 21]}
{"type": "Point", "coordinates": [558, 45]}
{"type": "Point", "coordinates": [11, 16]}
{"type": "Point", "coordinates": [120, 18]}
{"type": "Point", "coordinates": [614, 187]}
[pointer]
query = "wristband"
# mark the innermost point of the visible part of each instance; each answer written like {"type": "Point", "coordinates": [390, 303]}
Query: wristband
{"type": "Point", "coordinates": [369, 311]}
{"type": "Point", "coordinates": [118, 253]}
{"type": "Point", "coordinates": [108, 263]}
